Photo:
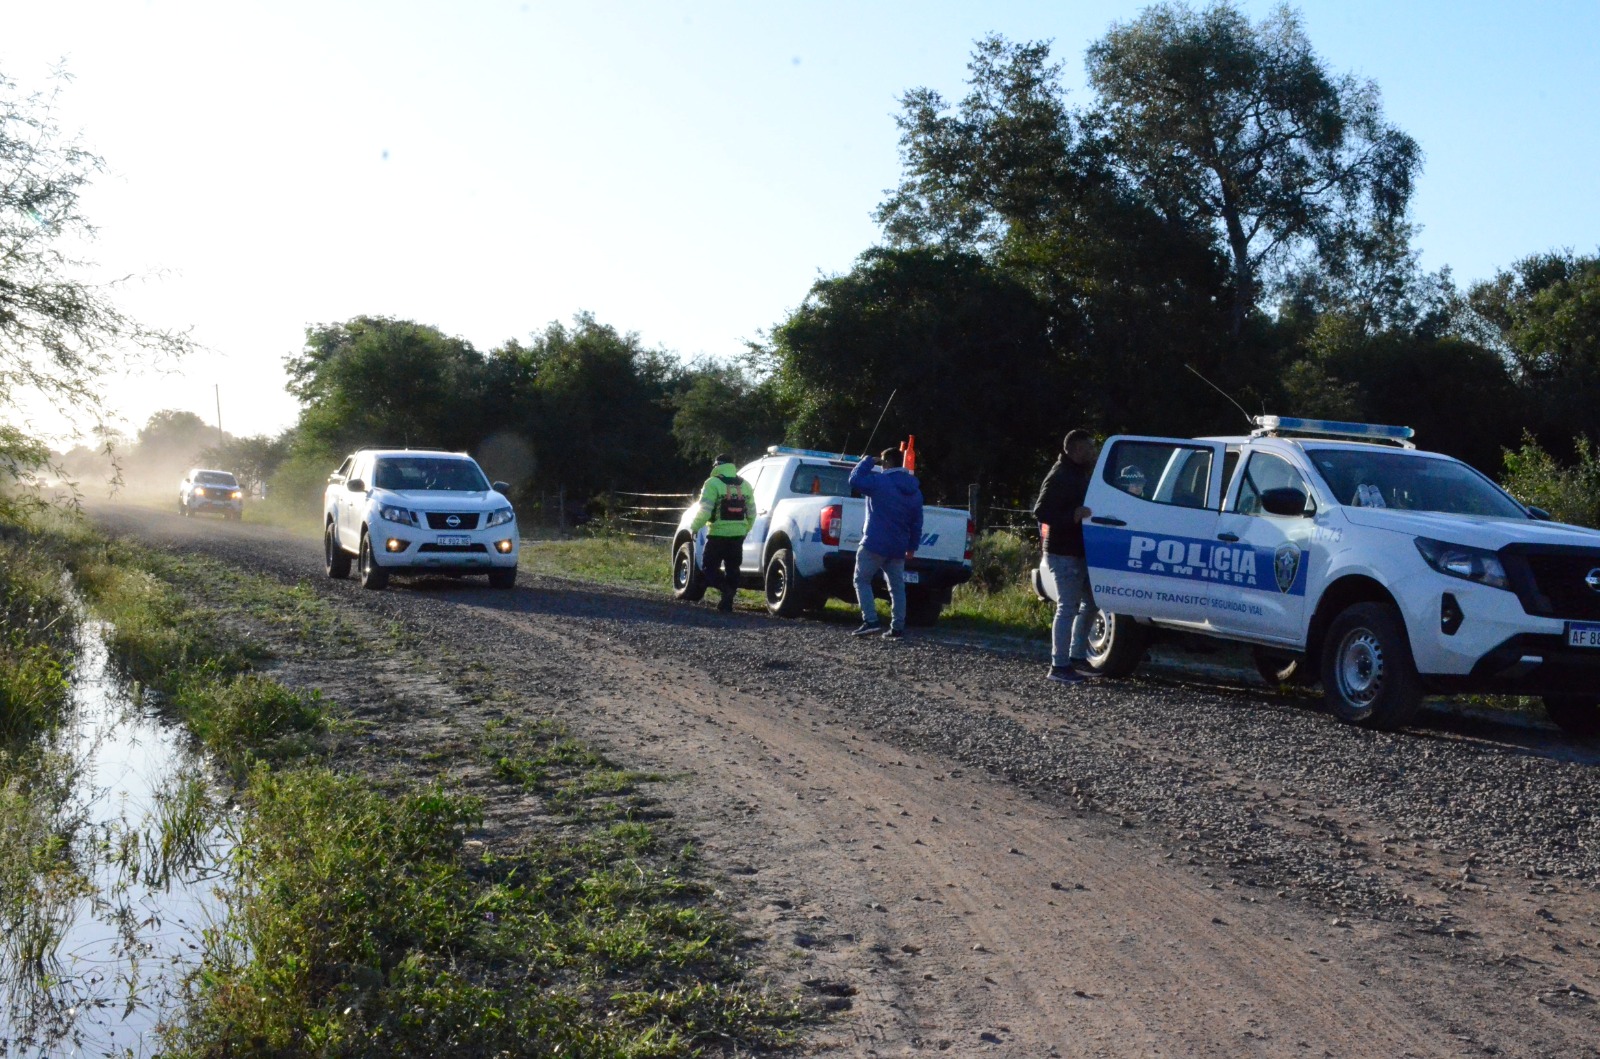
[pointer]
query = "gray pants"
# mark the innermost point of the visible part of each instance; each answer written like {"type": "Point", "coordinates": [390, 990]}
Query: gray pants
{"type": "Point", "coordinates": [1067, 577]}
{"type": "Point", "coordinates": [868, 566]}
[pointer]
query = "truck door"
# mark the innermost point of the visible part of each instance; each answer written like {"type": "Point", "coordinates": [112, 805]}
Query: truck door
{"type": "Point", "coordinates": [763, 477]}
{"type": "Point", "coordinates": [1267, 601]}
{"type": "Point", "coordinates": [1151, 537]}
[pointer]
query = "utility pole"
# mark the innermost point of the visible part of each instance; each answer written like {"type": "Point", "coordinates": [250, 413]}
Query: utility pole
{"type": "Point", "coordinates": [221, 437]}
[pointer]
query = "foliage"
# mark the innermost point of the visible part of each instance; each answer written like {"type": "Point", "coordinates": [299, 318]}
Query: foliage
{"type": "Point", "coordinates": [962, 346]}
{"type": "Point", "coordinates": [35, 625]}
{"type": "Point", "coordinates": [1543, 315]}
{"type": "Point", "coordinates": [1569, 494]}
{"type": "Point", "coordinates": [61, 331]}
{"type": "Point", "coordinates": [253, 460]}
{"type": "Point", "coordinates": [1240, 129]}
{"type": "Point", "coordinates": [726, 409]}
{"type": "Point", "coordinates": [376, 381]}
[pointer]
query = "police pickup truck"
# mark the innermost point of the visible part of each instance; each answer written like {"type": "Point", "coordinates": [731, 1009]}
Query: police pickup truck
{"type": "Point", "coordinates": [1342, 553]}
{"type": "Point", "coordinates": [802, 549]}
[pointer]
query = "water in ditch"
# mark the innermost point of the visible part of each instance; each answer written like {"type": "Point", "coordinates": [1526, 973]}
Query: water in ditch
{"type": "Point", "coordinates": [128, 855]}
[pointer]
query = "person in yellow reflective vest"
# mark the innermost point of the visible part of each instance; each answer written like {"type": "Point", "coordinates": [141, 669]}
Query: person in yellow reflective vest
{"type": "Point", "coordinates": [728, 509]}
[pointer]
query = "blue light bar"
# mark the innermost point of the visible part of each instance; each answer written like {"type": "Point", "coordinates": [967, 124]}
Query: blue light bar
{"type": "Point", "coordinates": [785, 450]}
{"type": "Point", "coordinates": [1331, 427]}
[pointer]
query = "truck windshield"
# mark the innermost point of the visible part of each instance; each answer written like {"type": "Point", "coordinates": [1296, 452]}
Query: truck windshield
{"type": "Point", "coordinates": [1411, 482]}
{"type": "Point", "coordinates": [428, 473]}
{"type": "Point", "coordinates": [217, 478]}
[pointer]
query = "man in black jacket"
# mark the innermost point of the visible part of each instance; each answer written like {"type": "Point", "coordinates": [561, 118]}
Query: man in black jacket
{"type": "Point", "coordinates": [1060, 512]}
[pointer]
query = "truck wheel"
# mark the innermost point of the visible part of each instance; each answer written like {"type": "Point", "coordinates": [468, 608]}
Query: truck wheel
{"type": "Point", "coordinates": [785, 590]}
{"type": "Point", "coordinates": [372, 575]}
{"type": "Point", "coordinates": [922, 606]}
{"type": "Point", "coordinates": [1368, 677]}
{"type": "Point", "coordinates": [688, 583]}
{"type": "Point", "coordinates": [1116, 644]}
{"type": "Point", "coordinates": [1577, 715]}
{"type": "Point", "coordinates": [1279, 667]}
{"type": "Point", "coordinates": [335, 560]}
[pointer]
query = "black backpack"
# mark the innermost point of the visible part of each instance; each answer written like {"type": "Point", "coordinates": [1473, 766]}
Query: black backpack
{"type": "Point", "coordinates": [733, 505]}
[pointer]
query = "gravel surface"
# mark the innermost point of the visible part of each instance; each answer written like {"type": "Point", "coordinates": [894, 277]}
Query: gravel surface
{"type": "Point", "coordinates": [1458, 861]}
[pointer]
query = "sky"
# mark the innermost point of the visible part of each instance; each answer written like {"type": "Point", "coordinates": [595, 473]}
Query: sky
{"type": "Point", "coordinates": [685, 171]}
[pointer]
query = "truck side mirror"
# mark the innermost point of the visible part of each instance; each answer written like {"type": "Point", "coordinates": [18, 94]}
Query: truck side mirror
{"type": "Point", "coordinates": [1541, 514]}
{"type": "Point", "coordinates": [356, 485]}
{"type": "Point", "coordinates": [1286, 501]}
{"type": "Point", "coordinates": [503, 488]}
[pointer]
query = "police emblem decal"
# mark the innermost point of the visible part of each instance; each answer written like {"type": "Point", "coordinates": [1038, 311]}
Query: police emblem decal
{"type": "Point", "coordinates": [1285, 565]}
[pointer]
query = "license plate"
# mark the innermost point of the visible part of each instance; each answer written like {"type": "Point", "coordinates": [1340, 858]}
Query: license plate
{"type": "Point", "coordinates": [912, 577]}
{"type": "Point", "coordinates": [1583, 634]}
{"type": "Point", "coordinates": [453, 539]}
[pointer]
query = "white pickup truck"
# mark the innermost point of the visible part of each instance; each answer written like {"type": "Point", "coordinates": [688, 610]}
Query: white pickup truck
{"type": "Point", "coordinates": [802, 549]}
{"type": "Point", "coordinates": [1344, 554]}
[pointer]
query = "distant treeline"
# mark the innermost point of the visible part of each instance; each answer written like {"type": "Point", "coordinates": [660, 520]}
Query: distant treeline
{"type": "Point", "coordinates": [1223, 206]}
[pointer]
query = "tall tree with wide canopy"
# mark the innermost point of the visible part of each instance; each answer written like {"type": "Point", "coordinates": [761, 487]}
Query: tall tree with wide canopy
{"type": "Point", "coordinates": [1241, 129]}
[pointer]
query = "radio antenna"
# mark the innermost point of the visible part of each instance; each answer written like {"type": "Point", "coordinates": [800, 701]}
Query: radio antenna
{"type": "Point", "coordinates": [1247, 417]}
{"type": "Point", "coordinates": [879, 423]}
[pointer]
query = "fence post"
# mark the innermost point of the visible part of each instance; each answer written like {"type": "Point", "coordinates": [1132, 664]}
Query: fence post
{"type": "Point", "coordinates": [972, 505]}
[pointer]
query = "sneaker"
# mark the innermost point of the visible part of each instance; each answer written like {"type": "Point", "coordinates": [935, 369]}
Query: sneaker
{"type": "Point", "coordinates": [868, 628]}
{"type": "Point", "coordinates": [1065, 675]}
{"type": "Point", "coordinates": [894, 634]}
{"type": "Point", "coordinates": [726, 606]}
{"type": "Point", "coordinates": [1082, 667]}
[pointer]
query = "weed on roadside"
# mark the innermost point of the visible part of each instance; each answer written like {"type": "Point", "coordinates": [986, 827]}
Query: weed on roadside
{"type": "Point", "coordinates": [392, 934]}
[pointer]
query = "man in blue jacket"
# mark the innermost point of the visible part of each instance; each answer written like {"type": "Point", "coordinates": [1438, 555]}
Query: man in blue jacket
{"type": "Point", "coordinates": [891, 536]}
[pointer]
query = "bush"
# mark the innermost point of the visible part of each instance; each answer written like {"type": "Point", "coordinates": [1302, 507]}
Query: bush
{"type": "Point", "coordinates": [1001, 560]}
{"type": "Point", "coordinates": [1570, 494]}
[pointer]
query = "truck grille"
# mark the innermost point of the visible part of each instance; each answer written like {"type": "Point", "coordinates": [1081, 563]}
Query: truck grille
{"type": "Point", "coordinates": [452, 548]}
{"type": "Point", "coordinates": [1552, 581]}
{"type": "Point", "coordinates": [440, 520]}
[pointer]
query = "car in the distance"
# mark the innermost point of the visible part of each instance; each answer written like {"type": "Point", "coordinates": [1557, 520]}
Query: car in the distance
{"type": "Point", "coordinates": [417, 511]}
{"type": "Point", "coordinates": [217, 492]}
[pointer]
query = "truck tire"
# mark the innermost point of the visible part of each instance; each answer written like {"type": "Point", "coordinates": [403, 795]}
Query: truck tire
{"type": "Point", "coordinates": [922, 606]}
{"type": "Point", "coordinates": [1116, 644]}
{"type": "Point", "coordinates": [1279, 667]}
{"type": "Point", "coordinates": [688, 582]}
{"type": "Point", "coordinates": [1577, 715]}
{"type": "Point", "coordinates": [785, 590]}
{"type": "Point", "coordinates": [1368, 676]}
{"type": "Point", "coordinates": [372, 575]}
{"type": "Point", "coordinates": [335, 560]}
{"type": "Point", "coordinates": [503, 577]}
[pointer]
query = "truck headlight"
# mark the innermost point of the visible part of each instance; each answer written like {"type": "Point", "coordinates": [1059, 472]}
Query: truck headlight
{"type": "Point", "coordinates": [501, 517]}
{"type": "Point", "coordinates": [1464, 561]}
{"type": "Point", "coordinates": [398, 514]}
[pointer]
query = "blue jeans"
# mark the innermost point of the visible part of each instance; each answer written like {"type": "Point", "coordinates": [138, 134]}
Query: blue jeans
{"type": "Point", "coordinates": [868, 566]}
{"type": "Point", "coordinates": [1067, 576]}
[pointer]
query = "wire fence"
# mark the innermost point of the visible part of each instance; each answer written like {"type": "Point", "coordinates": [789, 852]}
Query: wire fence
{"type": "Point", "coordinates": [647, 516]}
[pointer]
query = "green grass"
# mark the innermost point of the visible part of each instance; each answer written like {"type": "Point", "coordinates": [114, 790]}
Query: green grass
{"type": "Point", "coordinates": [604, 560]}
{"type": "Point", "coordinates": [390, 935]}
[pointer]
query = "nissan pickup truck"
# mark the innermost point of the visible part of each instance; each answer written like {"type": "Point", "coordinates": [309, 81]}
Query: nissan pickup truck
{"type": "Point", "coordinates": [801, 551]}
{"type": "Point", "coordinates": [1343, 553]}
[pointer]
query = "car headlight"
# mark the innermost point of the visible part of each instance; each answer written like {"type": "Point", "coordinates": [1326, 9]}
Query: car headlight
{"type": "Point", "coordinates": [1464, 561]}
{"type": "Point", "coordinates": [501, 517]}
{"type": "Point", "coordinates": [236, 495]}
{"type": "Point", "coordinates": [398, 514]}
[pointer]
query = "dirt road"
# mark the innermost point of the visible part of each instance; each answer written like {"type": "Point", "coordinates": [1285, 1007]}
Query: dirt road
{"type": "Point", "coordinates": [962, 858]}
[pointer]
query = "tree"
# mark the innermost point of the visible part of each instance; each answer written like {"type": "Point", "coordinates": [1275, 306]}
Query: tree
{"type": "Point", "coordinates": [963, 347]}
{"type": "Point", "coordinates": [253, 460]}
{"type": "Point", "coordinates": [61, 332]}
{"type": "Point", "coordinates": [378, 381]}
{"type": "Point", "coordinates": [1241, 130]}
{"type": "Point", "coordinates": [724, 408]}
{"type": "Point", "coordinates": [593, 402]}
{"type": "Point", "coordinates": [1543, 316]}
